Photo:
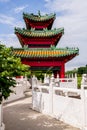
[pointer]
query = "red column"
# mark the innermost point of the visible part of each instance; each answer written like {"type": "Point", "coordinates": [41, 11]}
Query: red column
{"type": "Point", "coordinates": [56, 72]}
{"type": "Point", "coordinates": [62, 71]}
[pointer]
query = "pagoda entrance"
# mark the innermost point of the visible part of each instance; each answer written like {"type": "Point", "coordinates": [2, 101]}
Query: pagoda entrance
{"type": "Point", "coordinates": [55, 70]}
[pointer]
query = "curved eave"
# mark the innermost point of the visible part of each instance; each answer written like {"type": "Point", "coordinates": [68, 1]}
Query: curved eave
{"type": "Point", "coordinates": [38, 25]}
{"type": "Point", "coordinates": [64, 55]}
{"type": "Point", "coordinates": [34, 33]}
{"type": "Point", "coordinates": [20, 40]}
{"type": "Point", "coordinates": [37, 18]}
{"type": "Point", "coordinates": [70, 57]}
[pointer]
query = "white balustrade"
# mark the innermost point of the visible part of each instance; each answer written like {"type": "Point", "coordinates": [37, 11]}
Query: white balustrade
{"type": "Point", "coordinates": [67, 103]}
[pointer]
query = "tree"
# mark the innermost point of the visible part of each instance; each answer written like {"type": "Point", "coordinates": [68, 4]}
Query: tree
{"type": "Point", "coordinates": [10, 66]}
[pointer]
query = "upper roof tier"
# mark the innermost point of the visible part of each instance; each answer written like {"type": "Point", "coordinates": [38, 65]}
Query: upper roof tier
{"type": "Point", "coordinates": [39, 38]}
{"type": "Point", "coordinates": [38, 21]}
{"type": "Point", "coordinates": [65, 54]}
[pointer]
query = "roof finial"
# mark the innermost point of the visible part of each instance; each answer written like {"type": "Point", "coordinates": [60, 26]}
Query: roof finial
{"type": "Point", "coordinates": [39, 13]}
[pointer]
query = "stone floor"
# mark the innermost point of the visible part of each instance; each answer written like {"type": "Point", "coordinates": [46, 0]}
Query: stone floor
{"type": "Point", "coordinates": [18, 115]}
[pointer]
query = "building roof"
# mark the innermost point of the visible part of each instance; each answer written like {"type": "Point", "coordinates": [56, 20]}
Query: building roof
{"type": "Point", "coordinates": [39, 17]}
{"type": "Point", "coordinates": [44, 53]}
{"type": "Point", "coordinates": [39, 33]}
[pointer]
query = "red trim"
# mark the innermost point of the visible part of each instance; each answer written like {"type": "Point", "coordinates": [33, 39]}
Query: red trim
{"type": "Point", "coordinates": [38, 24]}
{"type": "Point", "coordinates": [42, 63]}
{"type": "Point", "coordinates": [60, 64]}
{"type": "Point", "coordinates": [39, 40]}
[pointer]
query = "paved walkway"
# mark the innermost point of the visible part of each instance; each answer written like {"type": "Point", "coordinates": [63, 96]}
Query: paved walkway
{"type": "Point", "coordinates": [19, 116]}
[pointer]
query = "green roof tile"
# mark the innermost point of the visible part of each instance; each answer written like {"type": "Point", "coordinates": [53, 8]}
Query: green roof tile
{"type": "Point", "coordinates": [39, 17]}
{"type": "Point", "coordinates": [40, 33]}
{"type": "Point", "coordinates": [44, 52]}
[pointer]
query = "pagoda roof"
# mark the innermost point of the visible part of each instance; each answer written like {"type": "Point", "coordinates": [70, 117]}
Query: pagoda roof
{"type": "Point", "coordinates": [39, 17]}
{"type": "Point", "coordinates": [45, 52]}
{"type": "Point", "coordinates": [39, 33]}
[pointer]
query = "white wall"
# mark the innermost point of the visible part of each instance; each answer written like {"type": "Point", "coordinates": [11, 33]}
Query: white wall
{"type": "Point", "coordinates": [63, 108]}
{"type": "Point", "coordinates": [59, 103]}
{"type": "Point", "coordinates": [41, 99]}
{"type": "Point", "coordinates": [18, 91]}
{"type": "Point", "coordinates": [67, 109]}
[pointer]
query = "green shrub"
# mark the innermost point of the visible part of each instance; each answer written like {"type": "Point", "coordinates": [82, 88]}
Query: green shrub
{"type": "Point", "coordinates": [79, 78]}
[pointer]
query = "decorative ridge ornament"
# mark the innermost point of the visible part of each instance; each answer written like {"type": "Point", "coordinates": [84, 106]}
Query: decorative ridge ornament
{"type": "Point", "coordinates": [39, 13]}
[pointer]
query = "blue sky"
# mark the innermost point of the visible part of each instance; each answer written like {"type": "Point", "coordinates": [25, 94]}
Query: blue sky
{"type": "Point", "coordinates": [70, 14]}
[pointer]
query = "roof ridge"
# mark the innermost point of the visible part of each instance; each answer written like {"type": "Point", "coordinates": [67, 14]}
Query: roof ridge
{"type": "Point", "coordinates": [47, 49]}
{"type": "Point", "coordinates": [39, 17]}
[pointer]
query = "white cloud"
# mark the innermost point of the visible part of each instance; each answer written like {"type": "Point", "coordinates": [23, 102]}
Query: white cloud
{"type": "Point", "coordinates": [11, 21]}
{"type": "Point", "coordinates": [71, 6]}
{"type": "Point", "coordinates": [47, 0]}
{"type": "Point", "coordinates": [19, 9]}
{"type": "Point", "coordinates": [72, 15]}
{"type": "Point", "coordinates": [10, 40]}
{"type": "Point", "coordinates": [4, 19]}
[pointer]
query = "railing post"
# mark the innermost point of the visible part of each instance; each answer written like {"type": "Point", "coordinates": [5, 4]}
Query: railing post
{"type": "Point", "coordinates": [2, 125]}
{"type": "Point", "coordinates": [45, 77]}
{"type": "Point", "coordinates": [72, 75]}
{"type": "Point", "coordinates": [69, 76]}
{"type": "Point", "coordinates": [84, 102]}
{"type": "Point", "coordinates": [34, 81]}
{"type": "Point", "coordinates": [34, 84]}
{"type": "Point", "coordinates": [76, 85]}
{"type": "Point", "coordinates": [58, 80]}
{"type": "Point", "coordinates": [51, 94]}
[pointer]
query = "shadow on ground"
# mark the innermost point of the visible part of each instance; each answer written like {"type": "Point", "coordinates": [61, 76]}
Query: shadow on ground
{"type": "Point", "coordinates": [20, 116]}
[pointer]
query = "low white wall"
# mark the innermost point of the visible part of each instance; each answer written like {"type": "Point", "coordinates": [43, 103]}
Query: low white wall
{"type": "Point", "coordinates": [64, 103]}
{"type": "Point", "coordinates": [68, 82]}
{"type": "Point", "coordinates": [41, 99]}
{"type": "Point", "coordinates": [17, 94]}
{"type": "Point", "coordinates": [67, 109]}
{"type": "Point", "coordinates": [18, 91]}
{"type": "Point", "coordinates": [2, 126]}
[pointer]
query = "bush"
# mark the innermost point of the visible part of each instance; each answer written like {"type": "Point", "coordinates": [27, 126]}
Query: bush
{"type": "Point", "coordinates": [79, 79]}
{"type": "Point", "coordinates": [10, 66]}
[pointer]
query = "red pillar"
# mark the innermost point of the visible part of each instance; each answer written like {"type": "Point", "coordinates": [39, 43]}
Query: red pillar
{"type": "Point", "coordinates": [62, 71]}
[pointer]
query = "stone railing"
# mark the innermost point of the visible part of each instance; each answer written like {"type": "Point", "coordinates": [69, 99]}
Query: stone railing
{"type": "Point", "coordinates": [69, 82]}
{"type": "Point", "coordinates": [63, 103]}
{"type": "Point", "coordinates": [21, 86]}
{"type": "Point", "coordinates": [18, 91]}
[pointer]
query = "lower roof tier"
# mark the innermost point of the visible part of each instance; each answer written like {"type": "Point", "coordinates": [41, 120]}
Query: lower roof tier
{"type": "Point", "coordinates": [62, 54]}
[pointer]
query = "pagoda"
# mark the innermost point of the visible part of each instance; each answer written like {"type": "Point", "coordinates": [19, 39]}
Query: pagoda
{"type": "Point", "coordinates": [39, 41]}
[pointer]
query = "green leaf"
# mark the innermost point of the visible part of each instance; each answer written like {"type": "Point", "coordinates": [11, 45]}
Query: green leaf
{"type": "Point", "coordinates": [10, 66]}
